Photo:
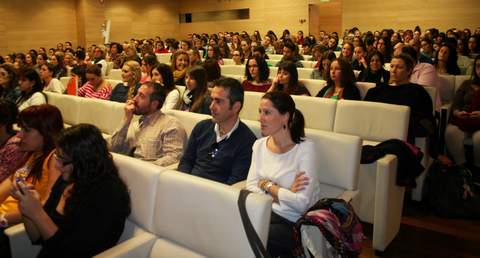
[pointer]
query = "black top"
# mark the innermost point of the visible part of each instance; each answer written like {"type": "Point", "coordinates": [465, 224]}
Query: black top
{"type": "Point", "coordinates": [381, 76]}
{"type": "Point", "coordinates": [351, 93]}
{"type": "Point", "coordinates": [94, 228]}
{"type": "Point", "coordinates": [422, 122]}
{"type": "Point", "coordinates": [120, 92]}
{"type": "Point", "coordinates": [299, 89]}
{"type": "Point", "coordinates": [227, 161]}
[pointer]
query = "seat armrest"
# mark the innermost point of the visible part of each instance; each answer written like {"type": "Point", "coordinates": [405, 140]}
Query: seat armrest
{"type": "Point", "coordinates": [348, 195]}
{"type": "Point", "coordinates": [20, 244]}
{"type": "Point", "coordinates": [138, 246]}
{"type": "Point", "coordinates": [173, 166]}
{"type": "Point", "coordinates": [240, 185]}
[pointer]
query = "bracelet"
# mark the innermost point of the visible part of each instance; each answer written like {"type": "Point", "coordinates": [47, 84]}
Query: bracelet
{"type": "Point", "coordinates": [268, 186]}
{"type": "Point", "coordinates": [3, 221]}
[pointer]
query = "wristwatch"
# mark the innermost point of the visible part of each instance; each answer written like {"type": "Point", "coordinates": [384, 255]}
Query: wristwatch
{"type": "Point", "coordinates": [3, 221]}
{"type": "Point", "coordinates": [268, 186]}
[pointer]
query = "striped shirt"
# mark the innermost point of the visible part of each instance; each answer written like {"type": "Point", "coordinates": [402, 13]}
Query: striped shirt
{"type": "Point", "coordinates": [88, 91]}
{"type": "Point", "coordinates": [157, 138]}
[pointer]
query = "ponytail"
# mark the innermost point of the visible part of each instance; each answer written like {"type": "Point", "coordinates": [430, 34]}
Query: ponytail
{"type": "Point", "coordinates": [296, 125]}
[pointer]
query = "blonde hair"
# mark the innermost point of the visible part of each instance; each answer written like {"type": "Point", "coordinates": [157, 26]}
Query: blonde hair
{"type": "Point", "coordinates": [135, 68]}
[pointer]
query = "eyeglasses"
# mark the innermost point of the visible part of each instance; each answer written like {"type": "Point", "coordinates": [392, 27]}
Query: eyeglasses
{"type": "Point", "coordinates": [61, 160]}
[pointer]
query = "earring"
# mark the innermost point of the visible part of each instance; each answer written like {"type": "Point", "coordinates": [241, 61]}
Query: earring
{"type": "Point", "coordinates": [284, 127]}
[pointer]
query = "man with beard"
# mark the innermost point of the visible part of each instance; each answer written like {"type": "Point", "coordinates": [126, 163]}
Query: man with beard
{"type": "Point", "coordinates": [155, 136]}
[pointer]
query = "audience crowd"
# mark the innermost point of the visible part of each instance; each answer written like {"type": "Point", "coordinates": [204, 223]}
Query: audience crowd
{"type": "Point", "coordinates": [70, 172]}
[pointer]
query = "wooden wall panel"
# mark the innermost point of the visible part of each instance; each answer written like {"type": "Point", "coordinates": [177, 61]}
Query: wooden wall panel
{"type": "Point", "coordinates": [30, 24]}
{"type": "Point", "coordinates": [146, 20]}
{"type": "Point", "coordinates": [275, 15]}
{"type": "Point", "coordinates": [379, 14]}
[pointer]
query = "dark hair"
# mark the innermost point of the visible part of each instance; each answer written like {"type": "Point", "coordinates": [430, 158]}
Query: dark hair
{"type": "Point", "coordinates": [119, 46]}
{"type": "Point", "coordinates": [348, 76]}
{"type": "Point", "coordinates": [80, 71]}
{"type": "Point", "coordinates": [151, 60]}
{"type": "Point", "coordinates": [263, 70]}
{"type": "Point", "coordinates": [407, 59]}
{"type": "Point", "coordinates": [291, 68]}
{"type": "Point", "coordinates": [216, 52]}
{"type": "Point", "coordinates": [167, 76]}
{"type": "Point", "coordinates": [451, 65]}
{"type": "Point", "coordinates": [284, 103]}
{"type": "Point", "coordinates": [8, 114]}
{"type": "Point", "coordinates": [94, 69]}
{"type": "Point", "coordinates": [212, 69]}
{"type": "Point", "coordinates": [12, 83]}
{"type": "Point", "coordinates": [199, 74]}
{"type": "Point", "coordinates": [159, 93]}
{"type": "Point", "coordinates": [388, 49]}
{"type": "Point", "coordinates": [92, 166]}
{"type": "Point", "coordinates": [31, 75]}
{"type": "Point", "coordinates": [409, 50]}
{"type": "Point", "coordinates": [235, 90]}
{"type": "Point", "coordinates": [79, 54]}
{"type": "Point", "coordinates": [290, 45]}
{"type": "Point", "coordinates": [475, 77]}
{"type": "Point", "coordinates": [47, 120]}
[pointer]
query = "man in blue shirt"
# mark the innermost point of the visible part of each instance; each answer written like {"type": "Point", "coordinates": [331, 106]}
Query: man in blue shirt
{"type": "Point", "coordinates": [220, 148]}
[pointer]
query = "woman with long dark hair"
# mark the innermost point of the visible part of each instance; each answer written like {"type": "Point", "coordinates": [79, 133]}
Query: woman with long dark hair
{"type": "Point", "coordinates": [287, 80]}
{"type": "Point", "coordinates": [375, 72]}
{"type": "Point", "coordinates": [40, 126]}
{"type": "Point", "coordinates": [32, 89]}
{"type": "Point", "coordinates": [256, 73]}
{"type": "Point", "coordinates": [283, 166]}
{"type": "Point", "coordinates": [446, 60]}
{"type": "Point", "coordinates": [89, 203]}
{"type": "Point", "coordinates": [196, 97]}
{"type": "Point", "coordinates": [8, 82]}
{"type": "Point", "coordinates": [163, 75]}
{"type": "Point", "coordinates": [341, 84]}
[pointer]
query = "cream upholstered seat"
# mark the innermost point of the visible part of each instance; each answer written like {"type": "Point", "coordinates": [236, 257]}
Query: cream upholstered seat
{"type": "Point", "coordinates": [141, 179]}
{"type": "Point", "coordinates": [196, 217]}
{"type": "Point", "coordinates": [380, 200]}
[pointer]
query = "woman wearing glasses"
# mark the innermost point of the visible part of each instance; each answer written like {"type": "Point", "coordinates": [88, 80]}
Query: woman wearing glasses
{"type": "Point", "coordinates": [256, 73]}
{"type": "Point", "coordinates": [40, 125]}
{"type": "Point", "coordinates": [283, 166]}
{"type": "Point", "coordinates": [86, 210]}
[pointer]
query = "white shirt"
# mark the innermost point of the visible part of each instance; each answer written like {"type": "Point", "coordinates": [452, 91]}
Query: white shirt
{"type": "Point", "coordinates": [36, 99]}
{"type": "Point", "coordinates": [282, 169]}
{"type": "Point", "coordinates": [55, 86]}
{"type": "Point", "coordinates": [171, 100]}
{"type": "Point", "coordinates": [217, 131]}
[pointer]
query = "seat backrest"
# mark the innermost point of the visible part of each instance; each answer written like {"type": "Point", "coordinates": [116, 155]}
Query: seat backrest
{"type": "Point", "coordinates": [432, 91]}
{"type": "Point", "coordinates": [308, 64]}
{"type": "Point", "coordinates": [304, 73]}
{"type": "Point", "coordinates": [203, 216]}
{"type": "Point", "coordinates": [319, 113]}
{"type": "Point", "coordinates": [314, 86]}
{"type": "Point", "coordinates": [70, 106]}
{"type": "Point", "coordinates": [363, 87]}
{"type": "Point", "coordinates": [164, 58]}
{"type": "Point", "coordinates": [104, 114]}
{"type": "Point", "coordinates": [187, 119]}
{"type": "Point", "coordinates": [115, 74]}
{"type": "Point", "coordinates": [372, 120]}
{"type": "Point", "coordinates": [114, 83]}
{"type": "Point", "coordinates": [338, 161]}
{"type": "Point", "coordinates": [228, 61]}
{"type": "Point", "coordinates": [232, 69]}
{"type": "Point", "coordinates": [109, 68]}
{"type": "Point", "coordinates": [251, 103]}
{"type": "Point", "coordinates": [65, 80]}
{"type": "Point", "coordinates": [254, 127]}
{"type": "Point", "coordinates": [446, 85]}
{"type": "Point", "coordinates": [275, 57]}
{"type": "Point", "coordinates": [459, 79]}
{"type": "Point", "coordinates": [141, 178]}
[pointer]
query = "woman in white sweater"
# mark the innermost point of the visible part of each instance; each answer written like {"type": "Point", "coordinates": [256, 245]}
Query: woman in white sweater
{"type": "Point", "coordinates": [31, 86]}
{"type": "Point", "coordinates": [163, 74]}
{"type": "Point", "coordinates": [283, 166]}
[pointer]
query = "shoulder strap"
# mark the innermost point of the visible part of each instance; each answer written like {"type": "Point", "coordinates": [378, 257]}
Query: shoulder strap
{"type": "Point", "coordinates": [252, 236]}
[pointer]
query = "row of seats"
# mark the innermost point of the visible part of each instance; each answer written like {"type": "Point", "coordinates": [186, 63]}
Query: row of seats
{"type": "Point", "coordinates": [378, 203]}
{"type": "Point", "coordinates": [165, 58]}
{"type": "Point", "coordinates": [166, 224]}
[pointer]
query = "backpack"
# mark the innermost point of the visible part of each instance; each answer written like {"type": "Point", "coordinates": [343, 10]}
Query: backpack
{"type": "Point", "coordinates": [450, 192]}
